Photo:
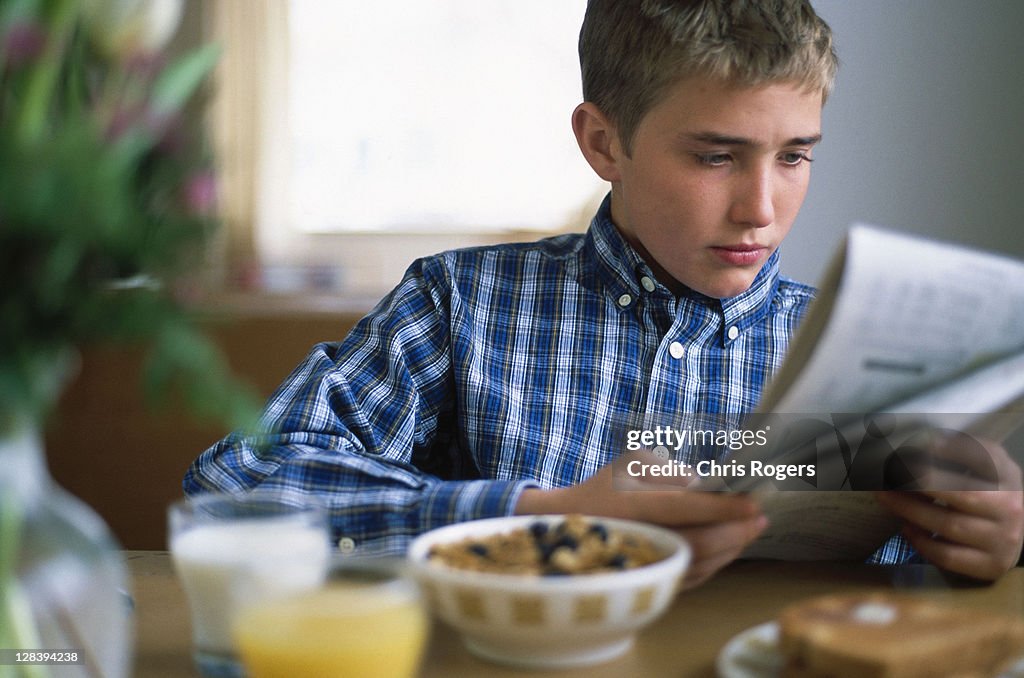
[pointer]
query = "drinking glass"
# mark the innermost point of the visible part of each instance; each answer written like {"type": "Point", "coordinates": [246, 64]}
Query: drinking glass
{"type": "Point", "coordinates": [231, 550]}
{"type": "Point", "coordinates": [368, 622]}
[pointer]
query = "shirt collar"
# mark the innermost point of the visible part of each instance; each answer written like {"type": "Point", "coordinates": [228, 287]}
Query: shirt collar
{"type": "Point", "coordinates": [619, 266]}
{"type": "Point", "coordinates": [623, 271]}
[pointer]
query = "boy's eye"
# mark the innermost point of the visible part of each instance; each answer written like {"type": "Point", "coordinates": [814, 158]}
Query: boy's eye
{"type": "Point", "coordinates": [795, 158]}
{"type": "Point", "coordinates": [713, 159]}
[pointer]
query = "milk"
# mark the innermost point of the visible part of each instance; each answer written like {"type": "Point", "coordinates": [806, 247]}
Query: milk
{"type": "Point", "coordinates": [226, 566]}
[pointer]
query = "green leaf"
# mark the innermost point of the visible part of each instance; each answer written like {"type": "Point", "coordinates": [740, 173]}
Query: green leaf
{"type": "Point", "coordinates": [177, 83]}
{"type": "Point", "coordinates": [12, 10]}
{"type": "Point", "coordinates": [185, 361]}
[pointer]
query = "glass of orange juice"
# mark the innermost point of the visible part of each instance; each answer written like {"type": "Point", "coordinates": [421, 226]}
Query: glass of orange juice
{"type": "Point", "coordinates": [367, 621]}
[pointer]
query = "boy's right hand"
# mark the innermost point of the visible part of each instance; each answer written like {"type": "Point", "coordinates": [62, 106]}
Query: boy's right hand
{"type": "Point", "coordinates": [717, 525]}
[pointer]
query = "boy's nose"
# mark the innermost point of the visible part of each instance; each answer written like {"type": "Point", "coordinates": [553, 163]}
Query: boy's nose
{"type": "Point", "coordinates": [753, 204]}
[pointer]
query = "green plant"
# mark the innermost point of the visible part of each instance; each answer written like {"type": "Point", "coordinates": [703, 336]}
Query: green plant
{"type": "Point", "coordinates": [106, 202]}
{"type": "Point", "coordinates": [106, 198]}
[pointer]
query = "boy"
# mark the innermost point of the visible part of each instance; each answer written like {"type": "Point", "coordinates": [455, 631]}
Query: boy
{"type": "Point", "coordinates": [496, 380]}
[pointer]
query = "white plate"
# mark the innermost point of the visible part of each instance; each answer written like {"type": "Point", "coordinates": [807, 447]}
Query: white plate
{"type": "Point", "coordinates": [754, 653]}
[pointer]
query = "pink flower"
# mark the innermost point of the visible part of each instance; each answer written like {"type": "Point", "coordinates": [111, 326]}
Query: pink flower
{"type": "Point", "coordinates": [23, 43]}
{"type": "Point", "coordinates": [201, 193]}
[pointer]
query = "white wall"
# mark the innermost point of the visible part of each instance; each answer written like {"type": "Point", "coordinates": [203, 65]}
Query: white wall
{"type": "Point", "coordinates": [925, 130]}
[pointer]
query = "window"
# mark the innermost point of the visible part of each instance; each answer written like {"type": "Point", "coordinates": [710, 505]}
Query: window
{"type": "Point", "coordinates": [408, 127]}
{"type": "Point", "coordinates": [441, 115]}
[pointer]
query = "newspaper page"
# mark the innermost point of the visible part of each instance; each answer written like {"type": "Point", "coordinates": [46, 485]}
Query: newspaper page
{"type": "Point", "coordinates": [907, 314]}
{"type": "Point", "coordinates": [926, 331]}
{"type": "Point", "coordinates": [842, 526]}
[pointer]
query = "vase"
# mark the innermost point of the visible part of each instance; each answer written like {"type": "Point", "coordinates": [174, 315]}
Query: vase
{"type": "Point", "coordinates": [64, 586]}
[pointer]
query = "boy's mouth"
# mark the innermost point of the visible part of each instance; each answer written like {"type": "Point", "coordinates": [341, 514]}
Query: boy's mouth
{"type": "Point", "coordinates": [740, 255]}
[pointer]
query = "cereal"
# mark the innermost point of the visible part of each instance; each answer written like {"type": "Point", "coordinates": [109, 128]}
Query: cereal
{"type": "Point", "coordinates": [572, 546]}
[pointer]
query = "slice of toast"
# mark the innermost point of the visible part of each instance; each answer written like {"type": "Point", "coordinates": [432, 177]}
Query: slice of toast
{"type": "Point", "coordinates": [893, 636]}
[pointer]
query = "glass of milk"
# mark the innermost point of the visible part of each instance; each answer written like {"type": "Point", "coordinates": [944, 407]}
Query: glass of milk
{"type": "Point", "coordinates": [231, 551]}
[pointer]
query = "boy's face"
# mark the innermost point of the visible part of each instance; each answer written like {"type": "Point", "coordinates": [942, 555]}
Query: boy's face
{"type": "Point", "coordinates": [715, 179]}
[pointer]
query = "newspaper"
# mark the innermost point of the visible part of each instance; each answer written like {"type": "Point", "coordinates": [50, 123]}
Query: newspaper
{"type": "Point", "coordinates": [928, 334]}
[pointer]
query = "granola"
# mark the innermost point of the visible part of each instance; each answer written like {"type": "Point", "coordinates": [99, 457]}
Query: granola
{"type": "Point", "coordinates": [575, 545]}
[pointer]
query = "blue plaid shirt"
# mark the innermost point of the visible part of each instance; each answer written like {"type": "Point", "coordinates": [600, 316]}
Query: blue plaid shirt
{"type": "Point", "coordinates": [491, 370]}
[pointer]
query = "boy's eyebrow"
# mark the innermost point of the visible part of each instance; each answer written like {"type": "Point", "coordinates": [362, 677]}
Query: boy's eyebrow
{"type": "Point", "coordinates": [717, 139]}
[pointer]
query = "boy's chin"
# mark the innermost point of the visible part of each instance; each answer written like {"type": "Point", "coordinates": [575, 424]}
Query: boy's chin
{"type": "Point", "coordinates": [728, 287]}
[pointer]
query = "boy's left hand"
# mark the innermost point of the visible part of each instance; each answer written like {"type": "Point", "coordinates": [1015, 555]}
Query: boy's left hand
{"type": "Point", "coordinates": [974, 532]}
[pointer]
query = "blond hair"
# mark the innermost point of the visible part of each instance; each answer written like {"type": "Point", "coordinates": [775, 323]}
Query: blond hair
{"type": "Point", "coordinates": [631, 51]}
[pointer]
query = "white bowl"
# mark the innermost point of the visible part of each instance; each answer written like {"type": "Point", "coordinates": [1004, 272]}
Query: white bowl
{"type": "Point", "coordinates": [548, 621]}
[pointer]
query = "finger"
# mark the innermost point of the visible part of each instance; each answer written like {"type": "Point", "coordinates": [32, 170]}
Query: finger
{"type": "Point", "coordinates": [934, 479]}
{"type": "Point", "coordinates": [1000, 536]}
{"type": "Point", "coordinates": [666, 482]}
{"type": "Point", "coordinates": [693, 508]}
{"type": "Point", "coordinates": [712, 541]}
{"type": "Point", "coordinates": [938, 519]}
{"type": "Point", "coordinates": [952, 460]}
{"type": "Point", "coordinates": [962, 454]}
{"type": "Point", "coordinates": [978, 458]}
{"type": "Point", "coordinates": [996, 505]}
{"type": "Point", "coordinates": [670, 508]}
{"type": "Point", "coordinates": [715, 547]}
{"type": "Point", "coordinates": [959, 558]}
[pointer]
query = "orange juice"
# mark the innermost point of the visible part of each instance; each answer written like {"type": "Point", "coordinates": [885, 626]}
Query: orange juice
{"type": "Point", "coordinates": [342, 631]}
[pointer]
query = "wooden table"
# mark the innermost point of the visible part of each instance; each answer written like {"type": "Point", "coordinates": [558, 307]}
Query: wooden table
{"type": "Point", "coordinates": [684, 642]}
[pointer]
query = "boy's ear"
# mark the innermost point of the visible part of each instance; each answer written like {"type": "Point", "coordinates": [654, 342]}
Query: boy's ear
{"type": "Point", "coordinates": [598, 139]}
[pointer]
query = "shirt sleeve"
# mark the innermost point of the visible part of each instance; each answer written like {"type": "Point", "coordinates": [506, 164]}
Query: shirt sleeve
{"type": "Point", "coordinates": [358, 421]}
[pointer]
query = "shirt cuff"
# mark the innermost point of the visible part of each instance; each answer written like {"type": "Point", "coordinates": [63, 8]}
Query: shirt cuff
{"type": "Point", "coordinates": [455, 502]}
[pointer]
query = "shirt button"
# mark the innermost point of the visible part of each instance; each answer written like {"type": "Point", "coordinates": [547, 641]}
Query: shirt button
{"type": "Point", "coordinates": [734, 332]}
{"type": "Point", "coordinates": [676, 350]}
{"type": "Point", "coordinates": [346, 545]}
{"type": "Point", "coordinates": [647, 283]}
{"type": "Point", "coordinates": [625, 300]}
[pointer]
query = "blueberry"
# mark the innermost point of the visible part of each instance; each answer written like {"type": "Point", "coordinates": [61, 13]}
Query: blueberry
{"type": "Point", "coordinates": [618, 562]}
{"type": "Point", "coordinates": [568, 541]}
{"type": "Point", "coordinates": [478, 549]}
{"type": "Point", "coordinates": [538, 530]}
{"type": "Point", "coordinates": [600, 530]}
